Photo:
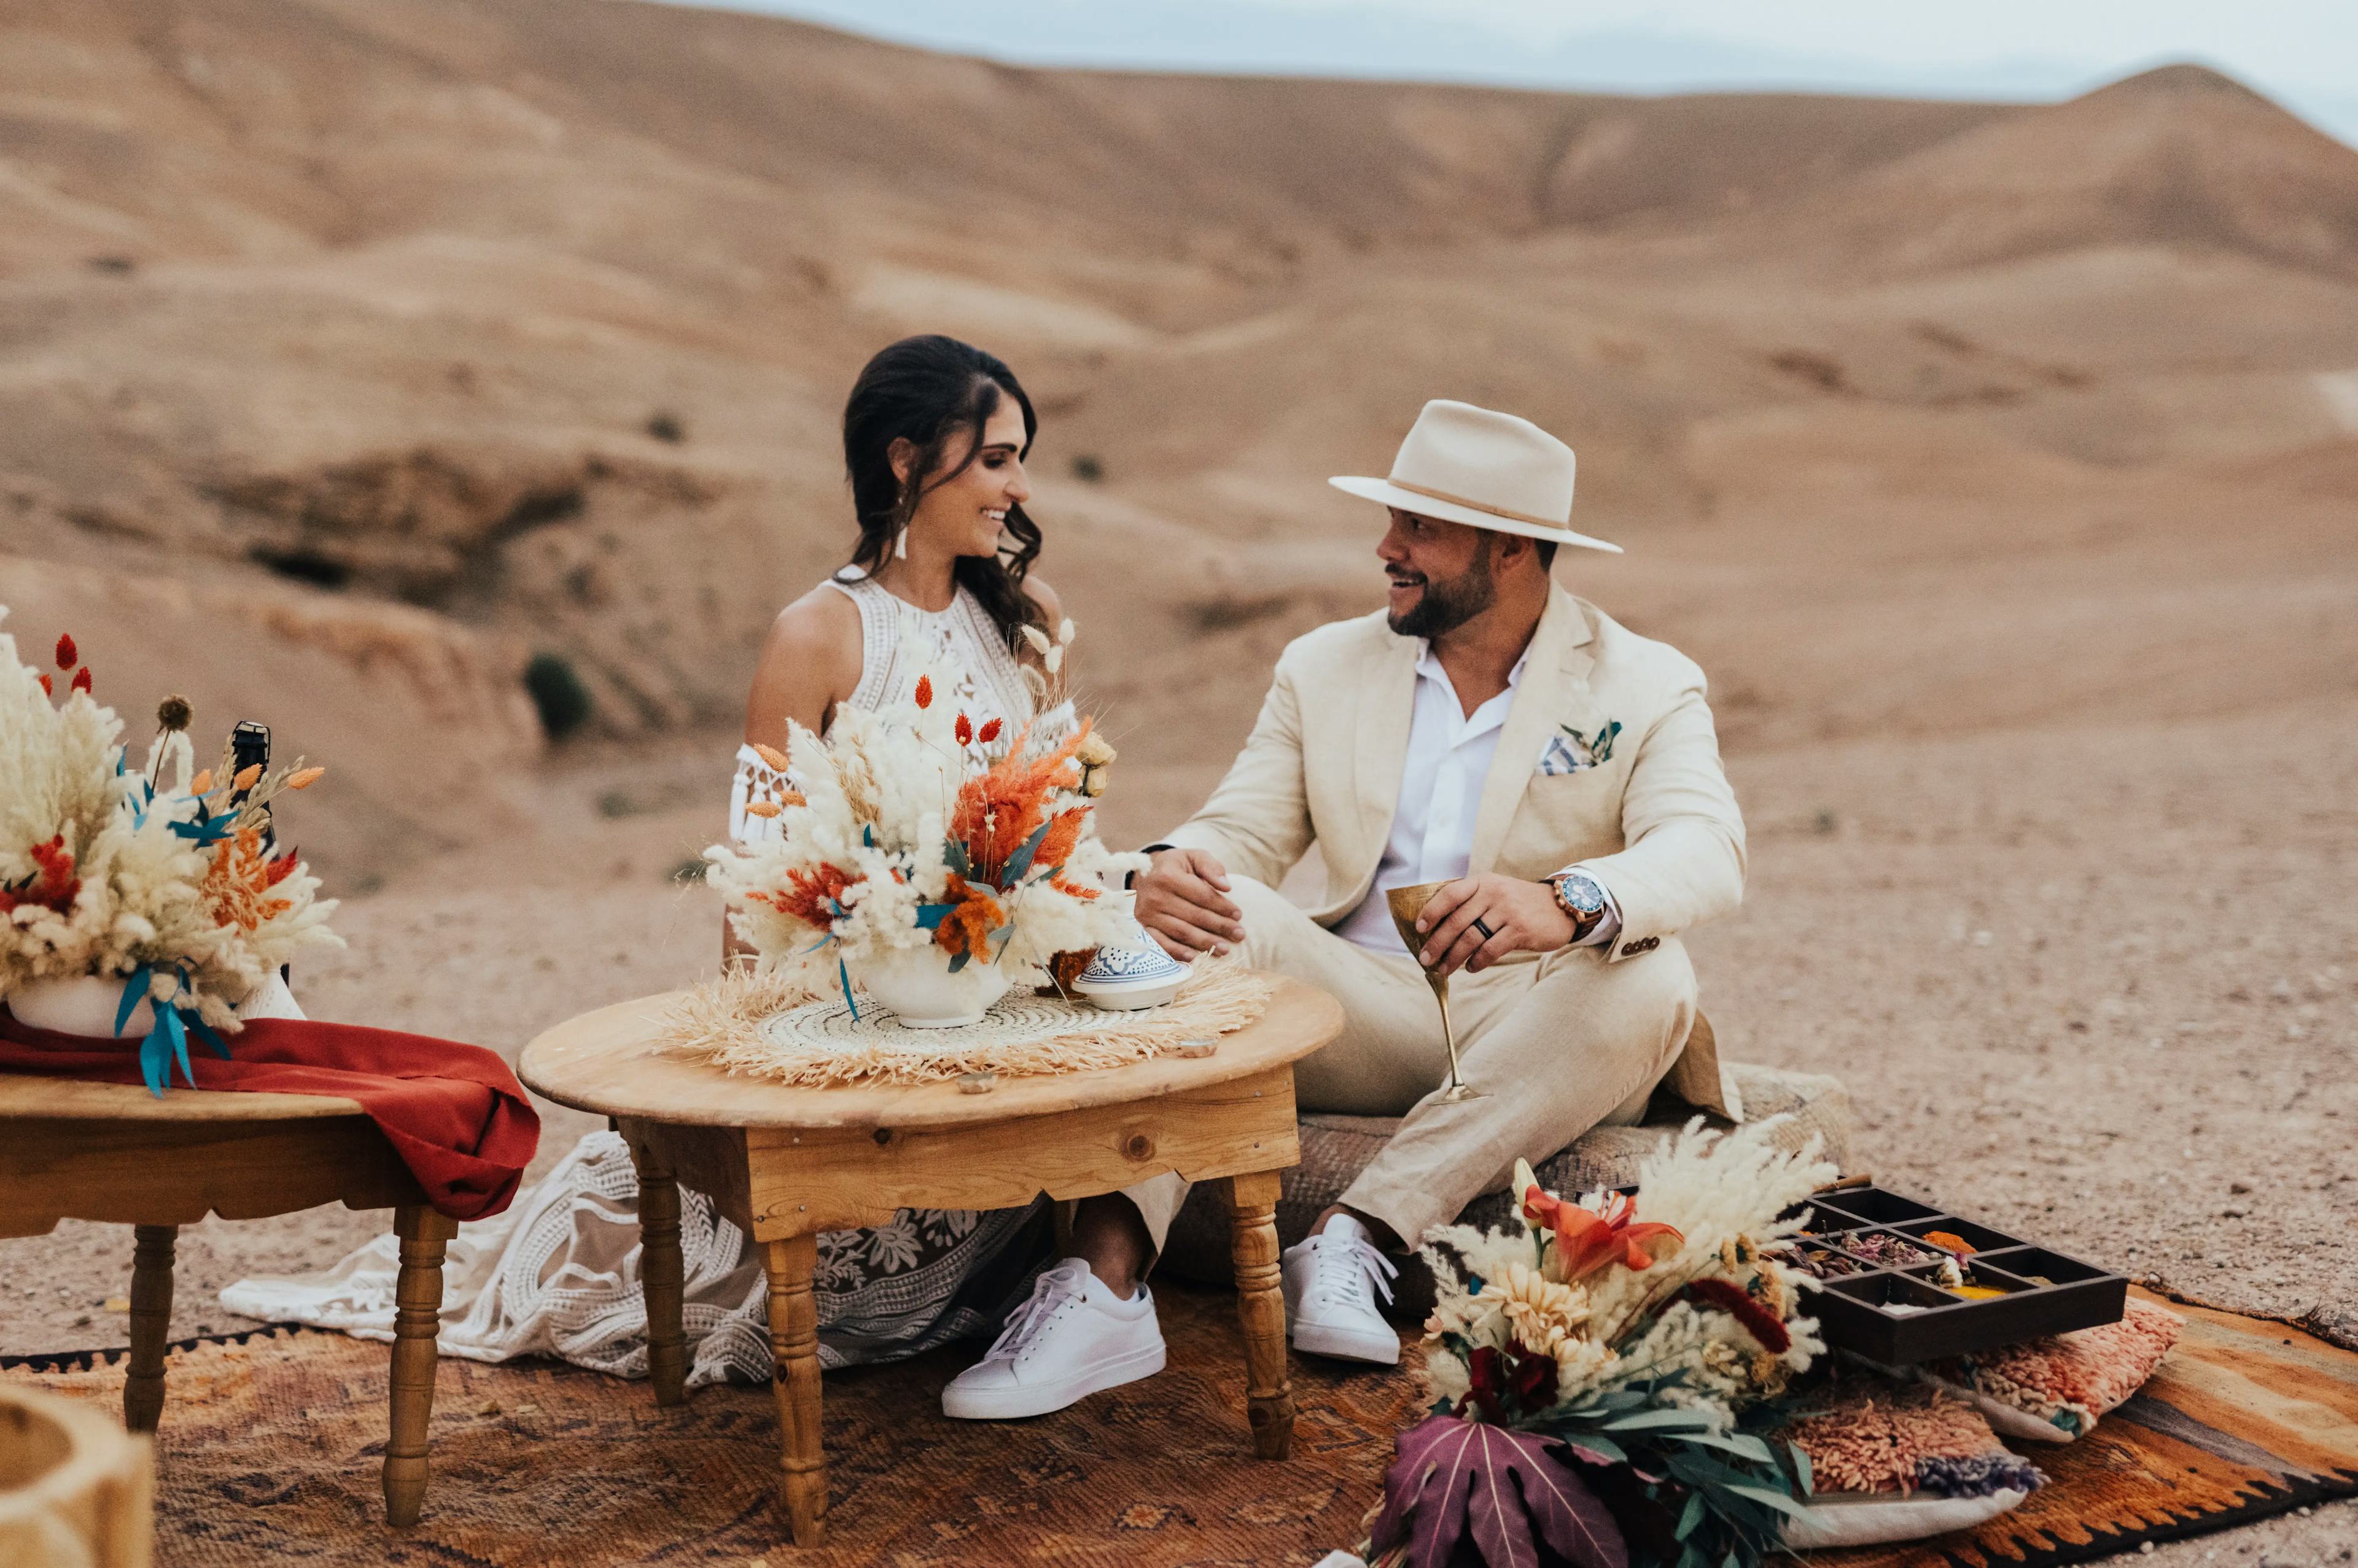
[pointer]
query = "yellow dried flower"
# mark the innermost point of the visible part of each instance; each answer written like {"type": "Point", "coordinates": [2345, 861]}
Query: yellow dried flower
{"type": "Point", "coordinates": [762, 808]}
{"type": "Point", "coordinates": [772, 755]}
{"type": "Point", "coordinates": [1542, 1311]}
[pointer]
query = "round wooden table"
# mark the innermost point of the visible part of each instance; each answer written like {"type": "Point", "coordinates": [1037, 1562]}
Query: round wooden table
{"type": "Point", "coordinates": [787, 1164]}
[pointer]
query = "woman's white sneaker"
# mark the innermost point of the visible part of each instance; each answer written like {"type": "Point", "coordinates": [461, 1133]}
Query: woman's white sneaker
{"type": "Point", "coordinates": [1071, 1339]}
{"type": "Point", "coordinates": [1330, 1307]}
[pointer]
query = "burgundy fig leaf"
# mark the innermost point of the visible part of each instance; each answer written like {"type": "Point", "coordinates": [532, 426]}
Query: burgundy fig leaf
{"type": "Point", "coordinates": [1453, 1478]}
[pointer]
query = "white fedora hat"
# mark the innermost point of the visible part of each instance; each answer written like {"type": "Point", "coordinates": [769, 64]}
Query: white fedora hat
{"type": "Point", "coordinates": [1464, 464]}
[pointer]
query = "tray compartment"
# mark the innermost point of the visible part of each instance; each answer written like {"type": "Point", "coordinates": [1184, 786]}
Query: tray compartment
{"type": "Point", "coordinates": [1980, 1237]}
{"type": "Point", "coordinates": [1869, 1206]}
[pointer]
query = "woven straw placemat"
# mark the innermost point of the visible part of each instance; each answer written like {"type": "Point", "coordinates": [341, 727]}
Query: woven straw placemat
{"type": "Point", "coordinates": [765, 1027]}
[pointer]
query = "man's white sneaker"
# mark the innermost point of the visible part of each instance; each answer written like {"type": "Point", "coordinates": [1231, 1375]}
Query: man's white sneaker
{"type": "Point", "coordinates": [1330, 1308]}
{"type": "Point", "coordinates": [1073, 1338]}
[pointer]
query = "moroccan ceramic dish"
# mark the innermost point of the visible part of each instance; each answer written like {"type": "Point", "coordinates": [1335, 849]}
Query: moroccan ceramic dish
{"type": "Point", "coordinates": [1905, 1282]}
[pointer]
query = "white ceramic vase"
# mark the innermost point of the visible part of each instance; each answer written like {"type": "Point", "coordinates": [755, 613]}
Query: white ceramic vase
{"type": "Point", "coordinates": [914, 984]}
{"type": "Point", "coordinates": [85, 1005]}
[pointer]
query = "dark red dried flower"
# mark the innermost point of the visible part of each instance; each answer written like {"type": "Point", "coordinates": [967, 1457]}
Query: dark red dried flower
{"type": "Point", "coordinates": [924, 691]}
{"type": "Point", "coordinates": [1737, 1301]}
{"type": "Point", "coordinates": [991, 731]}
{"type": "Point", "coordinates": [47, 690]}
{"type": "Point", "coordinates": [67, 654]}
{"type": "Point", "coordinates": [964, 731]}
{"type": "Point", "coordinates": [82, 680]}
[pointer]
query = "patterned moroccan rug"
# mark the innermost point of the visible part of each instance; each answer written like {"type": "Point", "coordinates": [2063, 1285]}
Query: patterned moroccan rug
{"type": "Point", "coordinates": [271, 1443]}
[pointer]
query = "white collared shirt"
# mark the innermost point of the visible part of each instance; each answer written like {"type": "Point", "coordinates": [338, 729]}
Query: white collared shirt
{"type": "Point", "coordinates": [1449, 755]}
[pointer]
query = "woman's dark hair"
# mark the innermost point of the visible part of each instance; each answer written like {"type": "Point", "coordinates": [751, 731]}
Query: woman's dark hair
{"type": "Point", "coordinates": [937, 394]}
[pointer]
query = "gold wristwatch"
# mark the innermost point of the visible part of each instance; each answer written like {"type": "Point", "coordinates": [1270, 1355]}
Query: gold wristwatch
{"type": "Point", "coordinates": [1578, 895]}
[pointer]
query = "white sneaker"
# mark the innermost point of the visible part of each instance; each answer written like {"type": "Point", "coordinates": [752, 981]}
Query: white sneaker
{"type": "Point", "coordinates": [1329, 1309]}
{"type": "Point", "coordinates": [1073, 1338]}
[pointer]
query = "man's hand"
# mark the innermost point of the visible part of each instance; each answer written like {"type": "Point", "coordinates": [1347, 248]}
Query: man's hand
{"type": "Point", "coordinates": [1182, 902]}
{"type": "Point", "coordinates": [1522, 917]}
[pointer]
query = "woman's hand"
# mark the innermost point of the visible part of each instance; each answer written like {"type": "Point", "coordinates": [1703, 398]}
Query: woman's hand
{"type": "Point", "coordinates": [1522, 917]}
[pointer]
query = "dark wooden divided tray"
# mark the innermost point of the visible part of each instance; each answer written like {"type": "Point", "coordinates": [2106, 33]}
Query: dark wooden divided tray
{"type": "Point", "coordinates": [1900, 1315]}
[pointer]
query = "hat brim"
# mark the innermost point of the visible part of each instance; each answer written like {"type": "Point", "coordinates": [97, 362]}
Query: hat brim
{"type": "Point", "coordinates": [1389, 495]}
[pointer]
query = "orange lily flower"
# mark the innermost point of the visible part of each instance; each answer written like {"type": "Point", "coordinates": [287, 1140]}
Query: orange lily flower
{"type": "Point", "coordinates": [1586, 1239]}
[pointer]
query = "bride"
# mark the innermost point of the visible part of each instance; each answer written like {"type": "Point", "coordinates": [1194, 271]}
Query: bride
{"type": "Point", "coordinates": [933, 436]}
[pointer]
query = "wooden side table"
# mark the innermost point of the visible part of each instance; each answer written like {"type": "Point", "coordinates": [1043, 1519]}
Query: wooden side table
{"type": "Point", "coordinates": [786, 1163]}
{"type": "Point", "coordinates": [115, 1153]}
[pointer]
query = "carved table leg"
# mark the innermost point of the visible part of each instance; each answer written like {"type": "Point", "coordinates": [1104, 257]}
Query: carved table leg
{"type": "Point", "coordinates": [1260, 1304]}
{"type": "Point", "coordinates": [417, 1320]}
{"type": "Point", "coordinates": [151, 1324]}
{"type": "Point", "coordinates": [663, 1275]}
{"type": "Point", "coordinates": [793, 1341]}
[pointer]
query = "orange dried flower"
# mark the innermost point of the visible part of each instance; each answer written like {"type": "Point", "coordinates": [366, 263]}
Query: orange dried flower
{"type": "Point", "coordinates": [47, 690]}
{"type": "Point", "coordinates": [306, 778]}
{"type": "Point", "coordinates": [246, 775]}
{"type": "Point", "coordinates": [924, 691]}
{"type": "Point", "coordinates": [964, 731]}
{"type": "Point", "coordinates": [812, 897]}
{"type": "Point", "coordinates": [82, 680]}
{"type": "Point", "coordinates": [203, 783]}
{"type": "Point", "coordinates": [772, 755]}
{"type": "Point", "coordinates": [1001, 806]}
{"type": "Point", "coordinates": [973, 916]}
{"type": "Point", "coordinates": [238, 883]}
{"type": "Point", "coordinates": [762, 808]}
{"type": "Point", "coordinates": [991, 731]}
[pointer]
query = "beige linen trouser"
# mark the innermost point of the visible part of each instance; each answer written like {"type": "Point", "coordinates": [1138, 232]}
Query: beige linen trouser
{"type": "Point", "coordinates": [1558, 1044]}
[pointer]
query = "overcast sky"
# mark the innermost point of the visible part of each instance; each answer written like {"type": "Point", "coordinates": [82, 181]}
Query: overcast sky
{"type": "Point", "coordinates": [2302, 52]}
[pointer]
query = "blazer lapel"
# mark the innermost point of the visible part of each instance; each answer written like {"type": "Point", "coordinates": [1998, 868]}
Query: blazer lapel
{"type": "Point", "coordinates": [1554, 683]}
{"type": "Point", "coordinates": [1386, 706]}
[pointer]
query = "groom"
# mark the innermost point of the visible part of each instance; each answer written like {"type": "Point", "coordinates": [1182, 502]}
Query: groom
{"type": "Point", "coordinates": [1488, 730]}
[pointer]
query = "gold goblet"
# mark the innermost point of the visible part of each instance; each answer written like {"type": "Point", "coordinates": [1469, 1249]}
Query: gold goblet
{"type": "Point", "coordinates": [1406, 903]}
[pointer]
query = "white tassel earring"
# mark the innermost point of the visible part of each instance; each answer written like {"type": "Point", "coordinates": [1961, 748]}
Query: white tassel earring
{"type": "Point", "coordinates": [901, 544]}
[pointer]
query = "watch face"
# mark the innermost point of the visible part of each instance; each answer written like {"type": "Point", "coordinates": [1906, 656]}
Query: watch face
{"type": "Point", "coordinates": [1583, 894]}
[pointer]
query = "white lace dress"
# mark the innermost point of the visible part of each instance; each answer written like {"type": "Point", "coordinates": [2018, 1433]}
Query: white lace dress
{"type": "Point", "coordinates": [558, 1274]}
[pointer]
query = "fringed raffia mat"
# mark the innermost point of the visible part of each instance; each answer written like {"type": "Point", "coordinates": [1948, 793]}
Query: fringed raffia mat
{"type": "Point", "coordinates": [766, 1026]}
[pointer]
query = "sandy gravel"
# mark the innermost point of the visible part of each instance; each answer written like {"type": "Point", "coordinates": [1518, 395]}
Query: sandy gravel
{"type": "Point", "coordinates": [2099, 986]}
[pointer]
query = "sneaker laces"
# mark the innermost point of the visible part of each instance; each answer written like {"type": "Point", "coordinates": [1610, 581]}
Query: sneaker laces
{"type": "Point", "coordinates": [1345, 1269]}
{"type": "Point", "coordinates": [1059, 1285]}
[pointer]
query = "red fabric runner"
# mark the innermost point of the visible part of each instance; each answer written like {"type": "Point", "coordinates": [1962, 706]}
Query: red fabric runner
{"type": "Point", "coordinates": [454, 1114]}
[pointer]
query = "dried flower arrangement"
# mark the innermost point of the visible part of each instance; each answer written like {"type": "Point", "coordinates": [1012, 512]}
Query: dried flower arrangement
{"type": "Point", "coordinates": [106, 871]}
{"type": "Point", "coordinates": [1607, 1387]}
{"type": "Point", "coordinates": [909, 825]}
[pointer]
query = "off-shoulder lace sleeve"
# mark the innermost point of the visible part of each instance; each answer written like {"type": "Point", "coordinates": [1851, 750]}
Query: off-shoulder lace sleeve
{"type": "Point", "coordinates": [755, 781]}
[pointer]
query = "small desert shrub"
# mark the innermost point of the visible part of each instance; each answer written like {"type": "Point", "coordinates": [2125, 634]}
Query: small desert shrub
{"type": "Point", "coordinates": [557, 693]}
{"type": "Point", "coordinates": [1088, 468]}
{"type": "Point", "coordinates": [666, 425]}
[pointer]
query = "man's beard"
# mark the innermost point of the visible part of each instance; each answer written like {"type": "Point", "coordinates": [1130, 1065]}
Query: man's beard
{"type": "Point", "coordinates": [1443, 607]}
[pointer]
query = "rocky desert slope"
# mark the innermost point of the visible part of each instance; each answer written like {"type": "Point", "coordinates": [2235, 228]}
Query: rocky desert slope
{"type": "Point", "coordinates": [2000, 463]}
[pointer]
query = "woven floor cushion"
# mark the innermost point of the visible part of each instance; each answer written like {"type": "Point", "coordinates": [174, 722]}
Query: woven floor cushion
{"type": "Point", "coordinates": [1336, 1149]}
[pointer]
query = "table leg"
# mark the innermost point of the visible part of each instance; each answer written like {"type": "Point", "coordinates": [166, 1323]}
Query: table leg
{"type": "Point", "coordinates": [663, 1277]}
{"type": "Point", "coordinates": [1260, 1304]}
{"type": "Point", "coordinates": [151, 1324]}
{"type": "Point", "coordinates": [793, 1341]}
{"type": "Point", "coordinates": [417, 1320]}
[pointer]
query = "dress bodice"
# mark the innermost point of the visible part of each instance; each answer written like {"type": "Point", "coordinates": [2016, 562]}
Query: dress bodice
{"type": "Point", "coordinates": [989, 681]}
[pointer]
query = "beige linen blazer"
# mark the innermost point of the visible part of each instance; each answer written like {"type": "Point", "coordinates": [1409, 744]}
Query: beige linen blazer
{"type": "Point", "coordinates": [1654, 819]}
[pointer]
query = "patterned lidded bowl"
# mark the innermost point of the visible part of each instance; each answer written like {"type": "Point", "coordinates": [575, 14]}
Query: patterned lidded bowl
{"type": "Point", "coordinates": [1134, 974]}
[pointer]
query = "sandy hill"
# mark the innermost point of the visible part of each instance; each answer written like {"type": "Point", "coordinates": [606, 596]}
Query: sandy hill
{"type": "Point", "coordinates": [352, 352]}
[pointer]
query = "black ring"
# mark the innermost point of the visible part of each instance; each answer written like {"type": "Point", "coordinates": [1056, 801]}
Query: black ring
{"type": "Point", "coordinates": [1487, 934]}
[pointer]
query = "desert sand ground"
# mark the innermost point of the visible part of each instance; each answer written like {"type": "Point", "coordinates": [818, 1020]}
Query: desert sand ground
{"type": "Point", "coordinates": [1999, 463]}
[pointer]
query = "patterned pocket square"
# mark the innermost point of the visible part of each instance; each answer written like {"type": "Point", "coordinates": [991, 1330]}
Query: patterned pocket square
{"type": "Point", "coordinates": [1571, 752]}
